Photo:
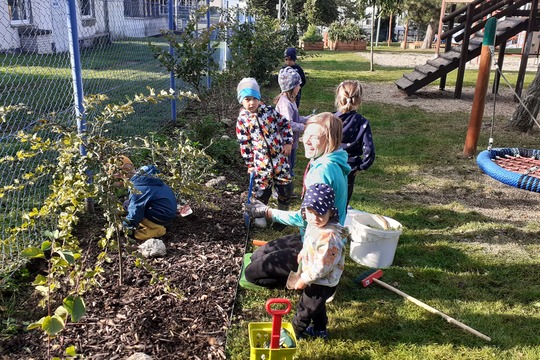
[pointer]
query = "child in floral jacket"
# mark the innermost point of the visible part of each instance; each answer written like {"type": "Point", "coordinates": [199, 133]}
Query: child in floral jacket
{"type": "Point", "coordinates": [265, 139]}
{"type": "Point", "coordinates": [320, 262]}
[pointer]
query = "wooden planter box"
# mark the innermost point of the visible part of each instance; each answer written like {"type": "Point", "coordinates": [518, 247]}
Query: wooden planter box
{"type": "Point", "coordinates": [349, 45]}
{"type": "Point", "coordinates": [319, 45]}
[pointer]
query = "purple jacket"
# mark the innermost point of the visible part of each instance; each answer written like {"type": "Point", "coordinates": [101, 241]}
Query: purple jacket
{"type": "Point", "coordinates": [357, 140]}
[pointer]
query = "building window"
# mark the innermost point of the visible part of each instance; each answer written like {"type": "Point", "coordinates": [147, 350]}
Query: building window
{"type": "Point", "coordinates": [87, 10]}
{"type": "Point", "coordinates": [19, 11]}
{"type": "Point", "coordinates": [145, 8]}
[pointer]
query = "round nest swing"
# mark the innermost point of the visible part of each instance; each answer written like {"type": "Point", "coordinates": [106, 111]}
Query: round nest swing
{"type": "Point", "coordinates": [512, 166]}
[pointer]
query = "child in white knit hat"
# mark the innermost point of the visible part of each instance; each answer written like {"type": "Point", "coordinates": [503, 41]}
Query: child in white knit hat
{"type": "Point", "coordinates": [265, 139]}
{"type": "Point", "coordinates": [290, 82]}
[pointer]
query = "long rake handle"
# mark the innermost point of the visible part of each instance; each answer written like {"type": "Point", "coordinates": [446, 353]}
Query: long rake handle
{"type": "Point", "coordinates": [433, 310]}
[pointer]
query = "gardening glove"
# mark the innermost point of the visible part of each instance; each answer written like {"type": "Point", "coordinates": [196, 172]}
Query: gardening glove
{"type": "Point", "coordinates": [256, 209]}
{"type": "Point", "coordinates": [128, 229]}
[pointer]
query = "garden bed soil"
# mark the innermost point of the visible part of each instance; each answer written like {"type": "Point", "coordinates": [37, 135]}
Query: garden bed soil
{"type": "Point", "coordinates": [183, 315]}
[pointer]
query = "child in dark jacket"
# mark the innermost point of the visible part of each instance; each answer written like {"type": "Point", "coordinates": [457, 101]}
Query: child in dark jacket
{"type": "Point", "coordinates": [265, 139]}
{"type": "Point", "coordinates": [151, 206]}
{"type": "Point", "coordinates": [290, 61]}
{"type": "Point", "coordinates": [357, 138]}
{"type": "Point", "coordinates": [320, 262]}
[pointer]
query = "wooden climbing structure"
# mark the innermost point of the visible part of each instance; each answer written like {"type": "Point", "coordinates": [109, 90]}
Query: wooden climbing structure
{"type": "Point", "coordinates": [464, 26]}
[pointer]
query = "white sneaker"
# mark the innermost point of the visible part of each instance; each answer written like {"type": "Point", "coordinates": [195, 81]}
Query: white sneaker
{"type": "Point", "coordinates": [260, 222]}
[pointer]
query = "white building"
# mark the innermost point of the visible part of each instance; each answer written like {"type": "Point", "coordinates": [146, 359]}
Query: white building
{"type": "Point", "coordinates": [40, 26]}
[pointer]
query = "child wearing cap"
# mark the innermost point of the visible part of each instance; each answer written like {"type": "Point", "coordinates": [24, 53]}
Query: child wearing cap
{"type": "Point", "coordinates": [152, 205]}
{"type": "Point", "coordinates": [320, 262]}
{"type": "Point", "coordinates": [289, 82]}
{"type": "Point", "coordinates": [290, 61]}
{"type": "Point", "coordinates": [265, 139]}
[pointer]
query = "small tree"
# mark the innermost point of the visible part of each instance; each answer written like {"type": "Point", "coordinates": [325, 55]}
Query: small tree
{"type": "Point", "coordinates": [192, 59]}
{"type": "Point", "coordinates": [311, 35]}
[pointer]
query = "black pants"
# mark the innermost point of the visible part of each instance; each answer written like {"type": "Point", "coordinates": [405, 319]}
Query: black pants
{"type": "Point", "coordinates": [271, 263]}
{"type": "Point", "coordinates": [284, 194]}
{"type": "Point", "coordinates": [312, 308]}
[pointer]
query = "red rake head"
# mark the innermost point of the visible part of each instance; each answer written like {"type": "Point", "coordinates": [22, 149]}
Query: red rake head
{"type": "Point", "coordinates": [367, 278]}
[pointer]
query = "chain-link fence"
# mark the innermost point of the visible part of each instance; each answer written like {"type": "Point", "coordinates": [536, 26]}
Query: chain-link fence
{"type": "Point", "coordinates": [45, 54]}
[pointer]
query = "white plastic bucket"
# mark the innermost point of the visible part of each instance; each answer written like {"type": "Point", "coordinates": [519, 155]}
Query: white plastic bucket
{"type": "Point", "coordinates": [351, 213]}
{"type": "Point", "coordinates": [371, 244]}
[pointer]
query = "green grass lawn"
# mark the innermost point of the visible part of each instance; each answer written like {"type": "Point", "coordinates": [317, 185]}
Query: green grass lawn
{"type": "Point", "coordinates": [463, 250]}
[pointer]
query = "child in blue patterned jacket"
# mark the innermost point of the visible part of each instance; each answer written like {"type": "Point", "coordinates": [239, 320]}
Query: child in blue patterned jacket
{"type": "Point", "coordinates": [320, 262]}
{"type": "Point", "coordinates": [265, 139]}
{"type": "Point", "coordinates": [357, 138]}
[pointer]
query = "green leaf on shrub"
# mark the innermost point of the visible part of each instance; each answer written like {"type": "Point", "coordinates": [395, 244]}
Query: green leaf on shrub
{"type": "Point", "coordinates": [52, 325]}
{"type": "Point", "coordinates": [75, 307]}
{"type": "Point", "coordinates": [40, 280]}
{"type": "Point", "coordinates": [33, 252]}
{"type": "Point", "coordinates": [46, 245]}
{"type": "Point", "coordinates": [67, 255]}
{"type": "Point", "coordinates": [52, 234]}
{"type": "Point", "coordinates": [61, 312]}
{"type": "Point", "coordinates": [35, 325]}
{"type": "Point", "coordinates": [71, 351]}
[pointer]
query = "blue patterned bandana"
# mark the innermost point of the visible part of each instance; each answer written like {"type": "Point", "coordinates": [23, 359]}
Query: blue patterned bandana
{"type": "Point", "coordinates": [320, 197]}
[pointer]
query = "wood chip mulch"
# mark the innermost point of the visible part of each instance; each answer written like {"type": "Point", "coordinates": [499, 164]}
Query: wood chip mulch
{"type": "Point", "coordinates": [175, 307]}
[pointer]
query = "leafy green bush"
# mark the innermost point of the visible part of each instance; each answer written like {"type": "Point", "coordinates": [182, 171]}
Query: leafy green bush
{"type": "Point", "coordinates": [311, 35]}
{"type": "Point", "coordinates": [212, 136]}
{"type": "Point", "coordinates": [77, 178]}
{"type": "Point", "coordinates": [346, 31]}
{"type": "Point", "coordinates": [257, 48]}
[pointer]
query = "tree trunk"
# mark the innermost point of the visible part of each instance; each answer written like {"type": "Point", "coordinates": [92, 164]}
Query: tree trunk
{"type": "Point", "coordinates": [371, 67]}
{"type": "Point", "coordinates": [521, 120]}
{"type": "Point", "coordinates": [406, 34]}
{"type": "Point", "coordinates": [390, 29]}
{"type": "Point", "coordinates": [430, 33]}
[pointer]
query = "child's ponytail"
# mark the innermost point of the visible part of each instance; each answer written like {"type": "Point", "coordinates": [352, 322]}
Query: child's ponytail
{"type": "Point", "coordinates": [348, 96]}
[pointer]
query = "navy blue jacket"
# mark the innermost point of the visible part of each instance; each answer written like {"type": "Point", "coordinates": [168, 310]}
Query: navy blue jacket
{"type": "Point", "coordinates": [152, 198]}
{"type": "Point", "coordinates": [357, 140]}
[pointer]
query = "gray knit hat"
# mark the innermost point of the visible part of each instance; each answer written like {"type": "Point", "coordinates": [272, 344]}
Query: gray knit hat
{"type": "Point", "coordinates": [248, 87]}
{"type": "Point", "coordinates": [288, 79]}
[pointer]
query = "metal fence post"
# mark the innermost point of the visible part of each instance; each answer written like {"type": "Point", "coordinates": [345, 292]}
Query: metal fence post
{"type": "Point", "coordinates": [76, 74]}
{"type": "Point", "coordinates": [208, 79]}
{"type": "Point", "coordinates": [171, 51]}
